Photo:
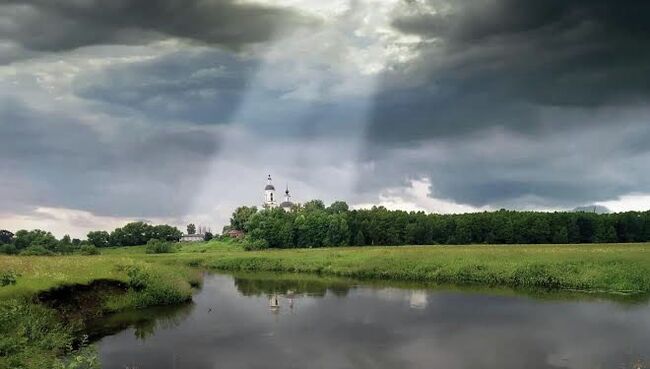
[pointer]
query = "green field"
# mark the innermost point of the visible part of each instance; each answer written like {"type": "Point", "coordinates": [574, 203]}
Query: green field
{"type": "Point", "coordinates": [615, 268]}
{"type": "Point", "coordinates": [33, 335]}
{"type": "Point", "coordinates": [610, 268]}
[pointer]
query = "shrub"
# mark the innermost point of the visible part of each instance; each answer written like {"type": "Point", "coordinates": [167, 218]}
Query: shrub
{"type": "Point", "coordinates": [139, 278]}
{"type": "Point", "coordinates": [8, 249]}
{"type": "Point", "coordinates": [36, 251]}
{"type": "Point", "coordinates": [208, 236]}
{"type": "Point", "coordinates": [158, 247]}
{"type": "Point", "coordinates": [31, 336]}
{"type": "Point", "coordinates": [150, 287]}
{"type": "Point", "coordinates": [89, 250]}
{"type": "Point", "coordinates": [251, 244]}
{"type": "Point", "coordinates": [7, 278]}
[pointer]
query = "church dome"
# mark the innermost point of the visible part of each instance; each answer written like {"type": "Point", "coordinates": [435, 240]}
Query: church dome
{"type": "Point", "coordinates": [269, 187]}
{"type": "Point", "coordinates": [286, 204]}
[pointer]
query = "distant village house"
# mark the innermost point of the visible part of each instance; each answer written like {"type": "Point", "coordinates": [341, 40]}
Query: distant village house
{"type": "Point", "coordinates": [195, 237]}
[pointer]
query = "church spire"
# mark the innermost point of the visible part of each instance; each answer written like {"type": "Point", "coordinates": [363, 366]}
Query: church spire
{"type": "Point", "coordinates": [287, 204]}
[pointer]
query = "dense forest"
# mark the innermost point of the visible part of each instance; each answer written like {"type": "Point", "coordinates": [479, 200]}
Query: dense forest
{"type": "Point", "coordinates": [314, 225]}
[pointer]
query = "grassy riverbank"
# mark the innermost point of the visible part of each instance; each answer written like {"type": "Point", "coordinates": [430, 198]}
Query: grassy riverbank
{"type": "Point", "coordinates": [45, 301]}
{"type": "Point", "coordinates": [609, 268]}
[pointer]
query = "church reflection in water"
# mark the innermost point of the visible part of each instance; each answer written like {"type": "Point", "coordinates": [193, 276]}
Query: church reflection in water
{"type": "Point", "coordinates": [289, 285]}
{"type": "Point", "coordinates": [283, 290]}
{"type": "Point", "coordinates": [276, 300]}
{"type": "Point", "coordinates": [418, 299]}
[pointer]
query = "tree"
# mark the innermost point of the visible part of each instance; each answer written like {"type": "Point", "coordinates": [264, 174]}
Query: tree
{"type": "Point", "coordinates": [241, 216]}
{"type": "Point", "coordinates": [132, 234]}
{"type": "Point", "coordinates": [65, 245]}
{"type": "Point", "coordinates": [191, 228]}
{"type": "Point", "coordinates": [586, 227]}
{"type": "Point", "coordinates": [360, 239]}
{"type": "Point", "coordinates": [117, 238]}
{"type": "Point", "coordinates": [166, 232]}
{"type": "Point", "coordinates": [561, 235]}
{"type": "Point", "coordinates": [275, 226]}
{"type": "Point", "coordinates": [338, 232]}
{"type": "Point", "coordinates": [35, 238]}
{"type": "Point", "coordinates": [98, 238]}
{"type": "Point", "coordinates": [606, 234]}
{"type": "Point", "coordinates": [314, 205]}
{"type": "Point", "coordinates": [338, 207]}
{"type": "Point", "coordinates": [6, 237]}
{"type": "Point", "coordinates": [208, 236]}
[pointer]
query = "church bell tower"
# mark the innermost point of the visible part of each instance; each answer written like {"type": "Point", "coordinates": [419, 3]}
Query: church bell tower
{"type": "Point", "coordinates": [269, 194]}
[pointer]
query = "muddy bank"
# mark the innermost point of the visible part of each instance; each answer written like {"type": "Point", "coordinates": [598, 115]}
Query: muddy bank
{"type": "Point", "coordinates": [79, 303]}
{"type": "Point", "coordinates": [83, 308]}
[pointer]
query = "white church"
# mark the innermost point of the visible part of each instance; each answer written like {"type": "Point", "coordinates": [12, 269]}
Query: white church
{"type": "Point", "coordinates": [270, 200]}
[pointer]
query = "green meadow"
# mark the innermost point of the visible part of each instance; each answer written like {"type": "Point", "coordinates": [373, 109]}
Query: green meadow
{"type": "Point", "coordinates": [615, 268]}
{"type": "Point", "coordinates": [34, 335]}
{"type": "Point", "coordinates": [609, 268]}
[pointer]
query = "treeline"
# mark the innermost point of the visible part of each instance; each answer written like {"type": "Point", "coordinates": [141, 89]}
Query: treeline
{"type": "Point", "coordinates": [314, 225]}
{"type": "Point", "coordinates": [134, 234]}
{"type": "Point", "coordinates": [39, 242]}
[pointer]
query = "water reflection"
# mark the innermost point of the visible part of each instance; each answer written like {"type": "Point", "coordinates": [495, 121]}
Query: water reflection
{"type": "Point", "coordinates": [418, 299]}
{"type": "Point", "coordinates": [257, 284]}
{"type": "Point", "coordinates": [143, 323]}
{"type": "Point", "coordinates": [328, 323]}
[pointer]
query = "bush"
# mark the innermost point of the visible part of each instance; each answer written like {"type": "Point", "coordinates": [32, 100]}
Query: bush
{"type": "Point", "coordinates": [139, 278]}
{"type": "Point", "coordinates": [158, 247]}
{"type": "Point", "coordinates": [251, 244]}
{"type": "Point", "coordinates": [31, 336]}
{"type": "Point", "coordinates": [8, 278]}
{"type": "Point", "coordinates": [89, 250]}
{"type": "Point", "coordinates": [150, 287]}
{"type": "Point", "coordinates": [36, 251]}
{"type": "Point", "coordinates": [8, 249]}
{"type": "Point", "coordinates": [208, 236]}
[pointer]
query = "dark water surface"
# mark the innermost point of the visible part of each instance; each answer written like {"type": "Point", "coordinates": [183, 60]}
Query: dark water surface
{"type": "Point", "coordinates": [324, 323]}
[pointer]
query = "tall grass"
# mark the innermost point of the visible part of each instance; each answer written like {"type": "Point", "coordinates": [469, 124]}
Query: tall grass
{"type": "Point", "coordinates": [604, 268]}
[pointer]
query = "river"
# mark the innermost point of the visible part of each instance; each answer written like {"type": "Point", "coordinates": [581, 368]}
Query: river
{"type": "Point", "coordinates": [265, 321]}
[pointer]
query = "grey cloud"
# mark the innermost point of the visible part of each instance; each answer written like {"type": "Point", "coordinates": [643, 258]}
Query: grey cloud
{"type": "Point", "coordinates": [10, 52]}
{"type": "Point", "coordinates": [54, 25]}
{"type": "Point", "coordinates": [500, 168]}
{"type": "Point", "coordinates": [209, 86]}
{"type": "Point", "coordinates": [204, 86]}
{"type": "Point", "coordinates": [551, 73]}
{"type": "Point", "coordinates": [61, 161]}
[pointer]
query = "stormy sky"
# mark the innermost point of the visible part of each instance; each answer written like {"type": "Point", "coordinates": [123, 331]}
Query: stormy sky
{"type": "Point", "coordinates": [176, 110]}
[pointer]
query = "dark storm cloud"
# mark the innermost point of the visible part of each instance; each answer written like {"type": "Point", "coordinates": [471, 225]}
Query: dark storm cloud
{"type": "Point", "coordinates": [496, 63]}
{"type": "Point", "coordinates": [55, 25]}
{"type": "Point", "coordinates": [549, 72]}
{"type": "Point", "coordinates": [57, 160]}
{"type": "Point", "coordinates": [204, 86]}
